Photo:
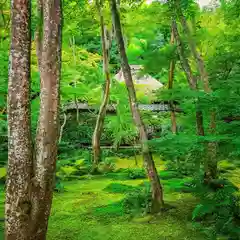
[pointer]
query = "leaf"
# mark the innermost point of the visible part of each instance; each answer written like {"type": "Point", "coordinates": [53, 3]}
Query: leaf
{"type": "Point", "coordinates": [202, 210]}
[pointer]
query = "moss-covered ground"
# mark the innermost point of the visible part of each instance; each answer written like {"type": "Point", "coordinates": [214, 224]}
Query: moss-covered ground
{"type": "Point", "coordinates": [90, 210]}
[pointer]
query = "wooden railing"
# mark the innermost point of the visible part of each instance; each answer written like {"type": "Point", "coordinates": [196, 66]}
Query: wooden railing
{"type": "Point", "coordinates": [159, 107]}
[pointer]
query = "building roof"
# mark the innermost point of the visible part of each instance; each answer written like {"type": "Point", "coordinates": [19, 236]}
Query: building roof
{"type": "Point", "coordinates": [146, 80]}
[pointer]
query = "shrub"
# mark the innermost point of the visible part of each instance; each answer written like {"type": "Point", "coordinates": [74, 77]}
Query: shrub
{"type": "Point", "coordinates": [225, 166]}
{"type": "Point", "coordinates": [107, 165]}
{"type": "Point", "coordinates": [184, 166]}
{"type": "Point", "coordinates": [67, 172]}
{"type": "Point", "coordinates": [136, 173]}
{"type": "Point", "coordinates": [83, 167]}
{"type": "Point", "coordinates": [59, 187]}
{"type": "Point", "coordinates": [3, 174]}
{"type": "Point", "coordinates": [138, 200]}
{"type": "Point", "coordinates": [218, 210]}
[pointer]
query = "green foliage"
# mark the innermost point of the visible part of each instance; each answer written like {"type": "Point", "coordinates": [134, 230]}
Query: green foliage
{"type": "Point", "coordinates": [59, 186]}
{"type": "Point", "coordinates": [3, 174]}
{"type": "Point", "coordinates": [136, 173]}
{"type": "Point", "coordinates": [184, 158]}
{"type": "Point", "coordinates": [218, 210]}
{"type": "Point", "coordinates": [167, 175]}
{"type": "Point", "coordinates": [72, 169]}
{"type": "Point", "coordinates": [225, 166]}
{"type": "Point", "coordinates": [120, 188]}
{"type": "Point", "coordinates": [107, 165]}
{"type": "Point", "coordinates": [138, 200]}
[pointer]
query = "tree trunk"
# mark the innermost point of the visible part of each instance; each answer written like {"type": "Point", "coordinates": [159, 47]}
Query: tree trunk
{"type": "Point", "coordinates": [211, 161]}
{"type": "Point", "coordinates": [192, 81]}
{"type": "Point", "coordinates": [170, 86]}
{"type": "Point", "coordinates": [157, 192]}
{"type": "Point", "coordinates": [48, 124]}
{"type": "Point", "coordinates": [39, 32]}
{"type": "Point", "coordinates": [75, 81]}
{"type": "Point", "coordinates": [18, 199]}
{"type": "Point", "coordinates": [62, 127]}
{"type": "Point", "coordinates": [30, 177]}
{"type": "Point", "coordinates": [103, 108]}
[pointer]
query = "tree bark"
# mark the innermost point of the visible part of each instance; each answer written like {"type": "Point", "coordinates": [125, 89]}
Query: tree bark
{"type": "Point", "coordinates": [39, 31]}
{"type": "Point", "coordinates": [156, 188]}
{"type": "Point", "coordinates": [170, 86]}
{"type": "Point", "coordinates": [211, 161]}
{"type": "Point", "coordinates": [48, 124]}
{"type": "Point", "coordinates": [18, 199]}
{"type": "Point", "coordinates": [30, 176]}
{"type": "Point", "coordinates": [103, 108]}
{"type": "Point", "coordinates": [192, 81]}
{"type": "Point", "coordinates": [62, 127]}
{"type": "Point", "coordinates": [75, 81]}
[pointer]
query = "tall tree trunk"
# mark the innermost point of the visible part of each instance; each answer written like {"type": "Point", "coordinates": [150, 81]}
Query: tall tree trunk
{"type": "Point", "coordinates": [48, 124]}
{"type": "Point", "coordinates": [39, 32]}
{"type": "Point", "coordinates": [157, 191]}
{"type": "Point", "coordinates": [211, 161]}
{"type": "Point", "coordinates": [170, 86]}
{"type": "Point", "coordinates": [103, 108]}
{"type": "Point", "coordinates": [192, 81]}
{"type": "Point", "coordinates": [75, 81]}
{"type": "Point", "coordinates": [30, 177]}
{"type": "Point", "coordinates": [18, 199]}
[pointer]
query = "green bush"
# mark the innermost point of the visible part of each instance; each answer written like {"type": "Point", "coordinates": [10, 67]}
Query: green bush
{"type": "Point", "coordinates": [138, 200]}
{"type": "Point", "coordinates": [67, 172]}
{"type": "Point", "coordinates": [136, 173]}
{"type": "Point", "coordinates": [107, 165]}
{"type": "Point", "coordinates": [225, 166]}
{"type": "Point", "coordinates": [218, 210]}
{"type": "Point", "coordinates": [59, 187]}
{"type": "Point", "coordinates": [71, 169]}
{"type": "Point", "coordinates": [184, 166]}
{"type": "Point", "coordinates": [3, 174]}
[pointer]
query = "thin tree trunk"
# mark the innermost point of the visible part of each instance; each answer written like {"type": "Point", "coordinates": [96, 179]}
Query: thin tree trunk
{"type": "Point", "coordinates": [157, 191]}
{"type": "Point", "coordinates": [48, 125]}
{"type": "Point", "coordinates": [103, 108]}
{"type": "Point", "coordinates": [39, 32]}
{"type": "Point", "coordinates": [211, 161]}
{"type": "Point", "coordinates": [170, 86]}
{"type": "Point", "coordinates": [192, 81]}
{"type": "Point", "coordinates": [75, 81]}
{"type": "Point", "coordinates": [62, 127]}
{"type": "Point", "coordinates": [18, 199]}
{"type": "Point", "coordinates": [196, 55]}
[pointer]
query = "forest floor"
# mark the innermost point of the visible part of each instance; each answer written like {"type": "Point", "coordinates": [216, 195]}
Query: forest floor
{"type": "Point", "coordinates": [91, 209]}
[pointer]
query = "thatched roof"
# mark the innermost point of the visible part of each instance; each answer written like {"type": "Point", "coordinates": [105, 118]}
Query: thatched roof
{"type": "Point", "coordinates": [147, 81]}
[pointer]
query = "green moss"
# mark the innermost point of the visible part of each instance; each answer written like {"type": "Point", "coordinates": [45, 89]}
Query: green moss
{"type": "Point", "coordinates": [225, 166]}
{"type": "Point", "coordinates": [88, 211]}
{"type": "Point", "coordinates": [91, 209]}
{"type": "Point", "coordinates": [120, 188]}
{"type": "Point", "coordinates": [165, 175]}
